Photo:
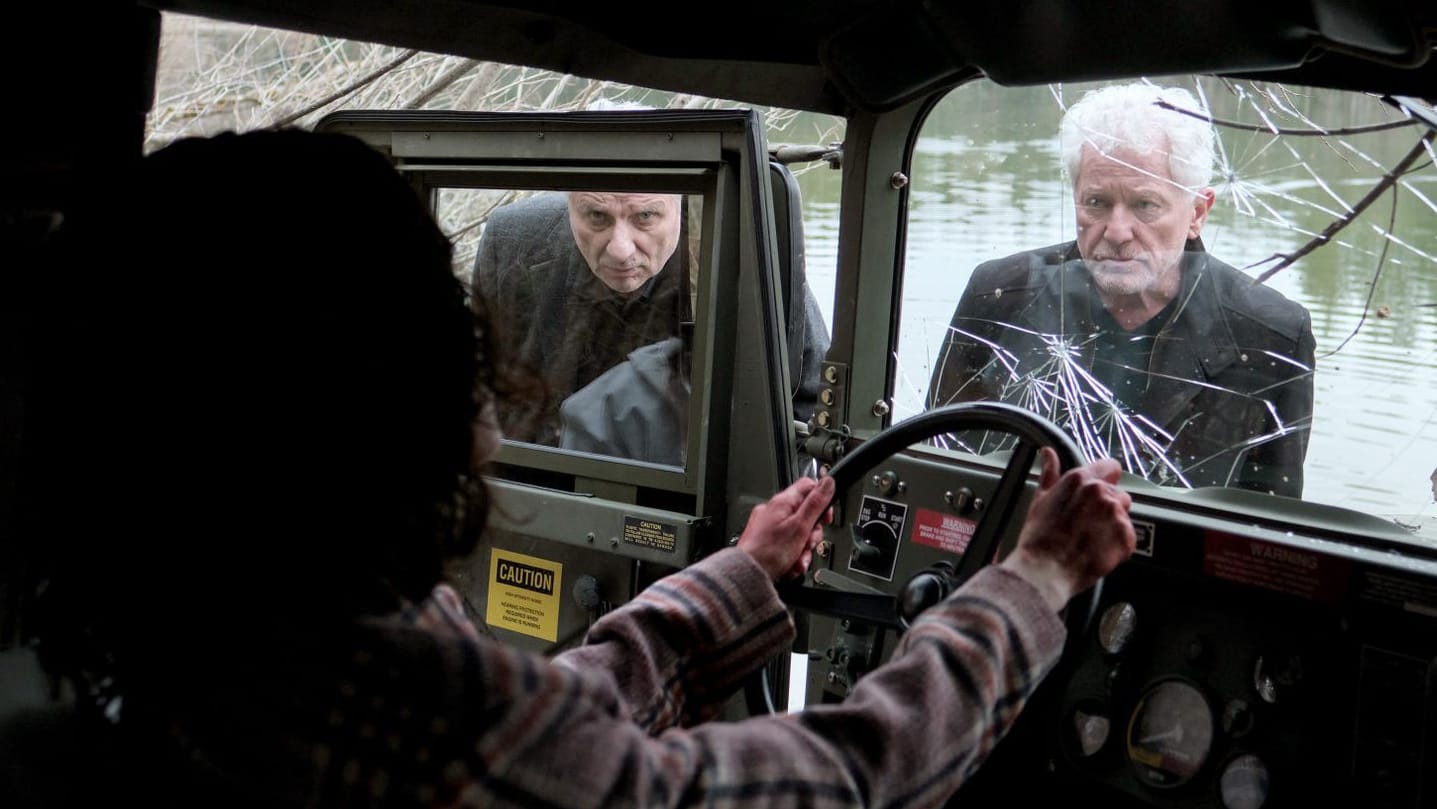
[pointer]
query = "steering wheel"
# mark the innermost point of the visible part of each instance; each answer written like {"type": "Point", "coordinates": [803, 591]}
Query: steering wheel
{"type": "Point", "coordinates": [930, 586]}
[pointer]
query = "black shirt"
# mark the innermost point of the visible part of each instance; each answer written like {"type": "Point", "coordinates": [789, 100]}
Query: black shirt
{"type": "Point", "coordinates": [1120, 356]}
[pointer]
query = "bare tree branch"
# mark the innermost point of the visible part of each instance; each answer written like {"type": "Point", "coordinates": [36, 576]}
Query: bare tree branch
{"type": "Point", "coordinates": [347, 90]}
{"type": "Point", "coordinates": [1313, 133]}
{"type": "Point", "coordinates": [440, 83]}
{"type": "Point", "coordinates": [1388, 179]}
{"type": "Point", "coordinates": [1376, 275]}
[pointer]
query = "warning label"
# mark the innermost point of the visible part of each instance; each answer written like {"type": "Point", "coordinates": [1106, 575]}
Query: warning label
{"type": "Point", "coordinates": [524, 594]}
{"type": "Point", "coordinates": [947, 532]}
{"type": "Point", "coordinates": [1413, 595]}
{"type": "Point", "coordinates": [650, 534]}
{"type": "Point", "coordinates": [1274, 567]}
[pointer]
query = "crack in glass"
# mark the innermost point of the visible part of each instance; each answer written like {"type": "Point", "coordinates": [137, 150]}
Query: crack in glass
{"type": "Point", "coordinates": [1327, 198]}
{"type": "Point", "coordinates": [1059, 385]}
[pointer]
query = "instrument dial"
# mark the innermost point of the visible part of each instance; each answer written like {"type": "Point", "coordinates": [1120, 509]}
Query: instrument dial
{"type": "Point", "coordinates": [1170, 734]}
{"type": "Point", "coordinates": [1116, 627]}
{"type": "Point", "coordinates": [1244, 783]}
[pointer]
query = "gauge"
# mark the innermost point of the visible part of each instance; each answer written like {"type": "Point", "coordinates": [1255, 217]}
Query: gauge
{"type": "Point", "coordinates": [1244, 782]}
{"type": "Point", "coordinates": [1117, 626]}
{"type": "Point", "coordinates": [1170, 733]}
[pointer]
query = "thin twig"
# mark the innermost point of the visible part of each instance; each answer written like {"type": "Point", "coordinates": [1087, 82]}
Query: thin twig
{"type": "Point", "coordinates": [347, 90]}
{"type": "Point", "coordinates": [439, 84]}
{"type": "Point", "coordinates": [1313, 133]}
{"type": "Point", "coordinates": [1376, 275]}
{"type": "Point", "coordinates": [1387, 181]}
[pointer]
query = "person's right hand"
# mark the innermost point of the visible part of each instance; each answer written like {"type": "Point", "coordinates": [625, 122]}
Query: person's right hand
{"type": "Point", "coordinates": [1077, 529]}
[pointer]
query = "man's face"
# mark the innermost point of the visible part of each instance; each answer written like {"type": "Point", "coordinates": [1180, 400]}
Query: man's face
{"type": "Point", "coordinates": [1133, 220]}
{"type": "Point", "coordinates": [625, 238]}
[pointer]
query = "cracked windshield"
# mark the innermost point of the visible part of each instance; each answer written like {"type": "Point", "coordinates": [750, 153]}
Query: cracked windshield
{"type": "Point", "coordinates": [1220, 283]}
{"type": "Point", "coordinates": [1225, 284]}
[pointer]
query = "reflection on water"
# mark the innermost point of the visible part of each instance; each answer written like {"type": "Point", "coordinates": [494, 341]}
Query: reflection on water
{"type": "Point", "coordinates": [986, 183]}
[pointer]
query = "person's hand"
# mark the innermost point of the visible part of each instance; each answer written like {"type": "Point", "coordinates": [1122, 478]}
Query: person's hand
{"type": "Point", "coordinates": [782, 533]}
{"type": "Point", "coordinates": [1077, 529]}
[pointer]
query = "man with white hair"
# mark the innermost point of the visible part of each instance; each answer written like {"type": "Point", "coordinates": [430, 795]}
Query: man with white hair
{"type": "Point", "coordinates": [1132, 336]}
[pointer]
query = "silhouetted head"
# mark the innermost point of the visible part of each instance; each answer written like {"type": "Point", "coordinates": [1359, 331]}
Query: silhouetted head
{"type": "Point", "coordinates": [275, 397]}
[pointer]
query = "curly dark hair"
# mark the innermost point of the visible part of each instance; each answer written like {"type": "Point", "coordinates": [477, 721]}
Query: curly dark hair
{"type": "Point", "coordinates": [267, 418]}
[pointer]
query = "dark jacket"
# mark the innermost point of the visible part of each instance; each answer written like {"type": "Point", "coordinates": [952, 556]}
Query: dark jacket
{"type": "Point", "coordinates": [1227, 395]}
{"type": "Point", "coordinates": [553, 314]}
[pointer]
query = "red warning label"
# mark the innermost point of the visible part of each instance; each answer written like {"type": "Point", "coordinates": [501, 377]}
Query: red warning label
{"type": "Point", "coordinates": [1274, 567]}
{"type": "Point", "coordinates": [947, 532]}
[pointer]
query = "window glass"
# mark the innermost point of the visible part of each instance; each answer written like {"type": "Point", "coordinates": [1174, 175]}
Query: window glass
{"type": "Point", "coordinates": [1290, 347]}
{"type": "Point", "coordinates": [593, 291]}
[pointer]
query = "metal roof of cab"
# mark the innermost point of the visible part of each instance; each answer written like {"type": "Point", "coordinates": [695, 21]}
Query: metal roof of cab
{"type": "Point", "coordinates": [877, 54]}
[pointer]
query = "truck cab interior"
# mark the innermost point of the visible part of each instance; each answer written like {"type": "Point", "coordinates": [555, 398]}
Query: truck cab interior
{"type": "Point", "coordinates": [1258, 650]}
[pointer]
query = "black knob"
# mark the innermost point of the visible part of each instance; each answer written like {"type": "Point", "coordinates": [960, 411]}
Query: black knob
{"type": "Point", "coordinates": [926, 588]}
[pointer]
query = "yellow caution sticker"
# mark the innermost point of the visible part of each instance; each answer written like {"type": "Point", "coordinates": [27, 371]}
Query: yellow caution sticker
{"type": "Point", "coordinates": [524, 594]}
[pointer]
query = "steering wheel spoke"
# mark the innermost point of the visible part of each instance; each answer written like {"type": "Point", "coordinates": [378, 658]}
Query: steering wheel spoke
{"type": "Point", "coordinates": [1001, 507]}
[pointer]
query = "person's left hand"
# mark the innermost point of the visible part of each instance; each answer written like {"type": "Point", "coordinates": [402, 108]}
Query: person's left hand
{"type": "Point", "coordinates": [782, 533]}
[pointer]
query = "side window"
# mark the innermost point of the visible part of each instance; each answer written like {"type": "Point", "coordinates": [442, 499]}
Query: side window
{"type": "Point", "coordinates": [1211, 316]}
{"type": "Point", "coordinates": [592, 291]}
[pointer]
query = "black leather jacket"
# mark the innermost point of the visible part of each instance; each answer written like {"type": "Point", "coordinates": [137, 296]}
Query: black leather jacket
{"type": "Point", "coordinates": [1227, 397]}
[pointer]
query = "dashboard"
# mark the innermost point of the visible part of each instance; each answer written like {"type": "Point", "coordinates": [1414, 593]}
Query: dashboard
{"type": "Point", "coordinates": [1254, 652]}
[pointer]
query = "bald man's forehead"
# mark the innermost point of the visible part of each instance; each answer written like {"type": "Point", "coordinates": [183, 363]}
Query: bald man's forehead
{"type": "Point", "coordinates": [625, 203]}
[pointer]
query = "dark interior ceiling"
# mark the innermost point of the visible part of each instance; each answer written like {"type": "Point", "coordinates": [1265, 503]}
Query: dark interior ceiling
{"type": "Point", "coordinates": [876, 54]}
